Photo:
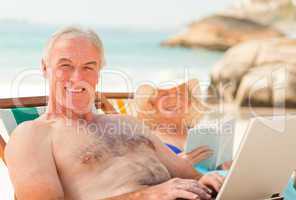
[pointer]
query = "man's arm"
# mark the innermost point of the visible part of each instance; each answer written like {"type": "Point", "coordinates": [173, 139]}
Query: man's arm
{"type": "Point", "coordinates": [177, 166]}
{"type": "Point", "coordinates": [31, 164]}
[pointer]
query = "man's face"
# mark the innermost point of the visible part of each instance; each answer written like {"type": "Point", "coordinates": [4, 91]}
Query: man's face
{"type": "Point", "coordinates": [73, 70]}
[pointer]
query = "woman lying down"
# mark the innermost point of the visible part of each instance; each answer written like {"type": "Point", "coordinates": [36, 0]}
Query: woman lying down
{"type": "Point", "coordinates": [170, 112]}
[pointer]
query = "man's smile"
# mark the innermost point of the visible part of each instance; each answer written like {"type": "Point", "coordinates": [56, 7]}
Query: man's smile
{"type": "Point", "coordinates": [77, 90]}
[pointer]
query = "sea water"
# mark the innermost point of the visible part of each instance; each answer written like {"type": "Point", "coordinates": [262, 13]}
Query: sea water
{"type": "Point", "coordinates": [133, 57]}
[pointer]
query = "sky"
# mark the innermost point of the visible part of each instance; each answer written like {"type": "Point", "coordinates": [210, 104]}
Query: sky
{"type": "Point", "coordinates": [123, 13]}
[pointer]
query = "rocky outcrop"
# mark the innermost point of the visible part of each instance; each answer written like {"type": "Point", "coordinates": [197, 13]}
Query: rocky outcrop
{"type": "Point", "coordinates": [269, 86]}
{"type": "Point", "coordinates": [278, 13]}
{"type": "Point", "coordinates": [220, 32]}
{"type": "Point", "coordinates": [260, 73]}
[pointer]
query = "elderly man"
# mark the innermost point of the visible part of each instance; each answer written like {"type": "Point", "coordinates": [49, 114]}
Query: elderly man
{"type": "Point", "coordinates": [72, 153]}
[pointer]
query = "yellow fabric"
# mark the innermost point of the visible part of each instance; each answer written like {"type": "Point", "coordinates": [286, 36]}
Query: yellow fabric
{"type": "Point", "coordinates": [121, 106]}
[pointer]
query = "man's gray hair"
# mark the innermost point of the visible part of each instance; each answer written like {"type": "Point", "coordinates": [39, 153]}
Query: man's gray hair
{"type": "Point", "coordinates": [75, 31]}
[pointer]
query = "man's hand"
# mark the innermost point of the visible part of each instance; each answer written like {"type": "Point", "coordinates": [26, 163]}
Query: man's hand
{"type": "Point", "coordinates": [197, 155]}
{"type": "Point", "coordinates": [212, 180]}
{"type": "Point", "coordinates": [178, 188]}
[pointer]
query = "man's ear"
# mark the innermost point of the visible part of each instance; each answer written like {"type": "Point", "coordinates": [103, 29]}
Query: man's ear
{"type": "Point", "coordinates": [44, 68]}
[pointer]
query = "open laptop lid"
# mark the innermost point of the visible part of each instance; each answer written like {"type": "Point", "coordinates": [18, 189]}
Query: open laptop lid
{"type": "Point", "coordinates": [264, 162]}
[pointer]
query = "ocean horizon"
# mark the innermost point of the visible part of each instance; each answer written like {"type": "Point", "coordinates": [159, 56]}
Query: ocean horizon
{"type": "Point", "coordinates": [133, 56]}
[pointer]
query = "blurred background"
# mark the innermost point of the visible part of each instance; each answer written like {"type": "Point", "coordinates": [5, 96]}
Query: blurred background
{"type": "Point", "coordinates": [225, 42]}
{"type": "Point", "coordinates": [131, 31]}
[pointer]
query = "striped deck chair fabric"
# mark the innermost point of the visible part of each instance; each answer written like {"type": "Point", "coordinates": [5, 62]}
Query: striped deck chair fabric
{"type": "Point", "coordinates": [14, 116]}
{"type": "Point", "coordinates": [124, 106]}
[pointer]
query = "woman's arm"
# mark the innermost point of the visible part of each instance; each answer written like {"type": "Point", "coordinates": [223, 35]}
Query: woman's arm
{"type": "Point", "coordinates": [177, 166]}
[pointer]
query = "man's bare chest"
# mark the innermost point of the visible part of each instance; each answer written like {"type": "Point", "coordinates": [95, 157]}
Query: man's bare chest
{"type": "Point", "coordinates": [83, 153]}
{"type": "Point", "coordinates": [82, 147]}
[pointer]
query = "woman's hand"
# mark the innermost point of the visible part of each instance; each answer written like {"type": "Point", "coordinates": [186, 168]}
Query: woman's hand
{"type": "Point", "coordinates": [225, 166]}
{"type": "Point", "coordinates": [197, 155]}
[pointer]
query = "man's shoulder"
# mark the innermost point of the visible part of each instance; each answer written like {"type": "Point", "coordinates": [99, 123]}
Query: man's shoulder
{"type": "Point", "coordinates": [29, 128]}
{"type": "Point", "coordinates": [27, 134]}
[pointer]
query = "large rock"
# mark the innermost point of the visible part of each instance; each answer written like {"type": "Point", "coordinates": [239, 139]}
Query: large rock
{"type": "Point", "coordinates": [278, 13]}
{"type": "Point", "coordinates": [255, 72]}
{"type": "Point", "coordinates": [273, 85]}
{"type": "Point", "coordinates": [220, 32]}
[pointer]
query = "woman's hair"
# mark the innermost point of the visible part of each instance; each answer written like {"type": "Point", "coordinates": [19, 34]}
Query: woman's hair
{"type": "Point", "coordinates": [146, 111]}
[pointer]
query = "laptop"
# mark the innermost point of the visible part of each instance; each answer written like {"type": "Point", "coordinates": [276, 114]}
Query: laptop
{"type": "Point", "coordinates": [264, 162]}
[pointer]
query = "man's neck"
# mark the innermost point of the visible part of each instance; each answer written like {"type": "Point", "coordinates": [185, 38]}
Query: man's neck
{"type": "Point", "coordinates": [61, 111]}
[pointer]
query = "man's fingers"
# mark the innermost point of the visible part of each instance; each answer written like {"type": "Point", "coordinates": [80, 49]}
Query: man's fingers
{"type": "Point", "coordinates": [202, 191]}
{"type": "Point", "coordinates": [195, 187]}
{"type": "Point", "coordinates": [220, 178]}
{"type": "Point", "coordinates": [185, 195]}
{"type": "Point", "coordinates": [215, 183]}
{"type": "Point", "coordinates": [205, 188]}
